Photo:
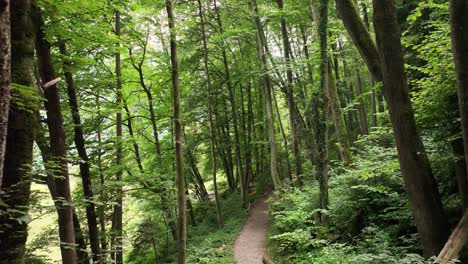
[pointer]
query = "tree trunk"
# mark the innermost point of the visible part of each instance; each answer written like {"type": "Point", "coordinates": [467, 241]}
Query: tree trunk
{"type": "Point", "coordinates": [361, 37]}
{"type": "Point", "coordinates": [455, 243]}
{"type": "Point", "coordinates": [415, 168]}
{"type": "Point", "coordinates": [179, 138]}
{"type": "Point", "coordinates": [84, 163]}
{"type": "Point", "coordinates": [219, 210]}
{"type": "Point", "coordinates": [57, 144]}
{"type": "Point", "coordinates": [361, 105]}
{"type": "Point", "coordinates": [374, 94]}
{"type": "Point", "coordinates": [460, 171]}
{"type": "Point", "coordinates": [459, 27]}
{"type": "Point", "coordinates": [5, 77]}
{"type": "Point", "coordinates": [266, 84]}
{"type": "Point", "coordinates": [20, 137]}
{"type": "Point", "coordinates": [46, 154]}
{"type": "Point", "coordinates": [149, 96]}
{"type": "Point", "coordinates": [337, 116]}
{"type": "Point", "coordinates": [289, 92]}
{"type": "Point", "coordinates": [322, 107]}
{"type": "Point", "coordinates": [283, 135]}
{"type": "Point", "coordinates": [118, 210]}
{"type": "Point", "coordinates": [232, 99]}
{"type": "Point", "coordinates": [102, 194]}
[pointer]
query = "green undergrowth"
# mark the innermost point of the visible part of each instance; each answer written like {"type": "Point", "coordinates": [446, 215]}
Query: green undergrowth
{"type": "Point", "coordinates": [369, 216]}
{"type": "Point", "coordinates": [207, 244]}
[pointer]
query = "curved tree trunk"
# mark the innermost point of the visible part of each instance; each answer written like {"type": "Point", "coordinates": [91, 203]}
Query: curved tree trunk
{"type": "Point", "coordinates": [417, 174]}
{"type": "Point", "coordinates": [85, 172]}
{"type": "Point", "coordinates": [58, 147]}
{"type": "Point", "coordinates": [43, 144]}
{"type": "Point", "coordinates": [219, 210]}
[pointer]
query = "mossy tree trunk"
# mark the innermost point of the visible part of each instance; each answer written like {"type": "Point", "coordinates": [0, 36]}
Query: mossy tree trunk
{"type": "Point", "coordinates": [16, 179]}
{"type": "Point", "coordinates": [5, 77]}
{"type": "Point", "coordinates": [179, 138]}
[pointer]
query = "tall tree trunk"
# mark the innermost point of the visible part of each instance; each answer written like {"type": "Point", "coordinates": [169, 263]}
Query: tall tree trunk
{"type": "Point", "coordinates": [118, 210]}
{"type": "Point", "coordinates": [232, 99]}
{"type": "Point", "coordinates": [250, 127]}
{"type": "Point", "coordinates": [179, 138]}
{"type": "Point", "coordinates": [57, 144]}
{"type": "Point", "coordinates": [322, 107]}
{"type": "Point", "coordinates": [219, 210]}
{"type": "Point", "coordinates": [283, 135]}
{"type": "Point", "coordinates": [102, 193]}
{"type": "Point", "coordinates": [5, 77]}
{"type": "Point", "coordinates": [84, 164]}
{"type": "Point", "coordinates": [337, 116]}
{"type": "Point", "coordinates": [46, 154]}
{"type": "Point", "coordinates": [16, 180]}
{"type": "Point", "coordinates": [460, 171]}
{"type": "Point", "coordinates": [266, 84]}
{"type": "Point", "coordinates": [361, 105]}
{"type": "Point", "coordinates": [459, 27]}
{"type": "Point", "coordinates": [374, 94]}
{"type": "Point", "coordinates": [417, 174]}
{"type": "Point", "coordinates": [289, 91]}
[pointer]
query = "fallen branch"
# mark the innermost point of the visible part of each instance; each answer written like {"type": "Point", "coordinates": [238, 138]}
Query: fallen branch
{"type": "Point", "coordinates": [455, 243]}
{"type": "Point", "coordinates": [51, 83]}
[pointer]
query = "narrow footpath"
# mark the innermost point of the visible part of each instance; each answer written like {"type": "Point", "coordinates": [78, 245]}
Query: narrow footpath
{"type": "Point", "coordinates": [250, 245]}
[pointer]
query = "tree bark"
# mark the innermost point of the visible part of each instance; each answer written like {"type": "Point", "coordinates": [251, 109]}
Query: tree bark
{"type": "Point", "coordinates": [415, 168]}
{"type": "Point", "coordinates": [459, 34]}
{"type": "Point", "coordinates": [20, 137]}
{"type": "Point", "coordinates": [179, 138]}
{"type": "Point", "coordinates": [460, 170]}
{"type": "Point", "coordinates": [58, 145]}
{"type": "Point", "coordinates": [118, 210]}
{"type": "Point", "coordinates": [5, 77]}
{"type": "Point", "coordinates": [322, 106]}
{"type": "Point", "coordinates": [455, 243]}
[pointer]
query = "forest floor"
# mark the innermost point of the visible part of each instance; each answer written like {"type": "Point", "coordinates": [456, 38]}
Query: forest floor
{"type": "Point", "coordinates": [249, 247]}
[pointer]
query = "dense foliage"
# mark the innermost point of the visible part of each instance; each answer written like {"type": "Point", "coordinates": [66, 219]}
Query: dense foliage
{"type": "Point", "coordinates": [292, 99]}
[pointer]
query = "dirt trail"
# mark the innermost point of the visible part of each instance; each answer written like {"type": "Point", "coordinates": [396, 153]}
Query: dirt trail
{"type": "Point", "coordinates": [250, 245]}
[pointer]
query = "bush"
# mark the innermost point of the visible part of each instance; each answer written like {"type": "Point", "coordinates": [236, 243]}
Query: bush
{"type": "Point", "coordinates": [370, 220]}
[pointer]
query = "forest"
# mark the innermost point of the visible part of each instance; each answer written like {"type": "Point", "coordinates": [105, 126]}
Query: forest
{"type": "Point", "coordinates": [233, 131]}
